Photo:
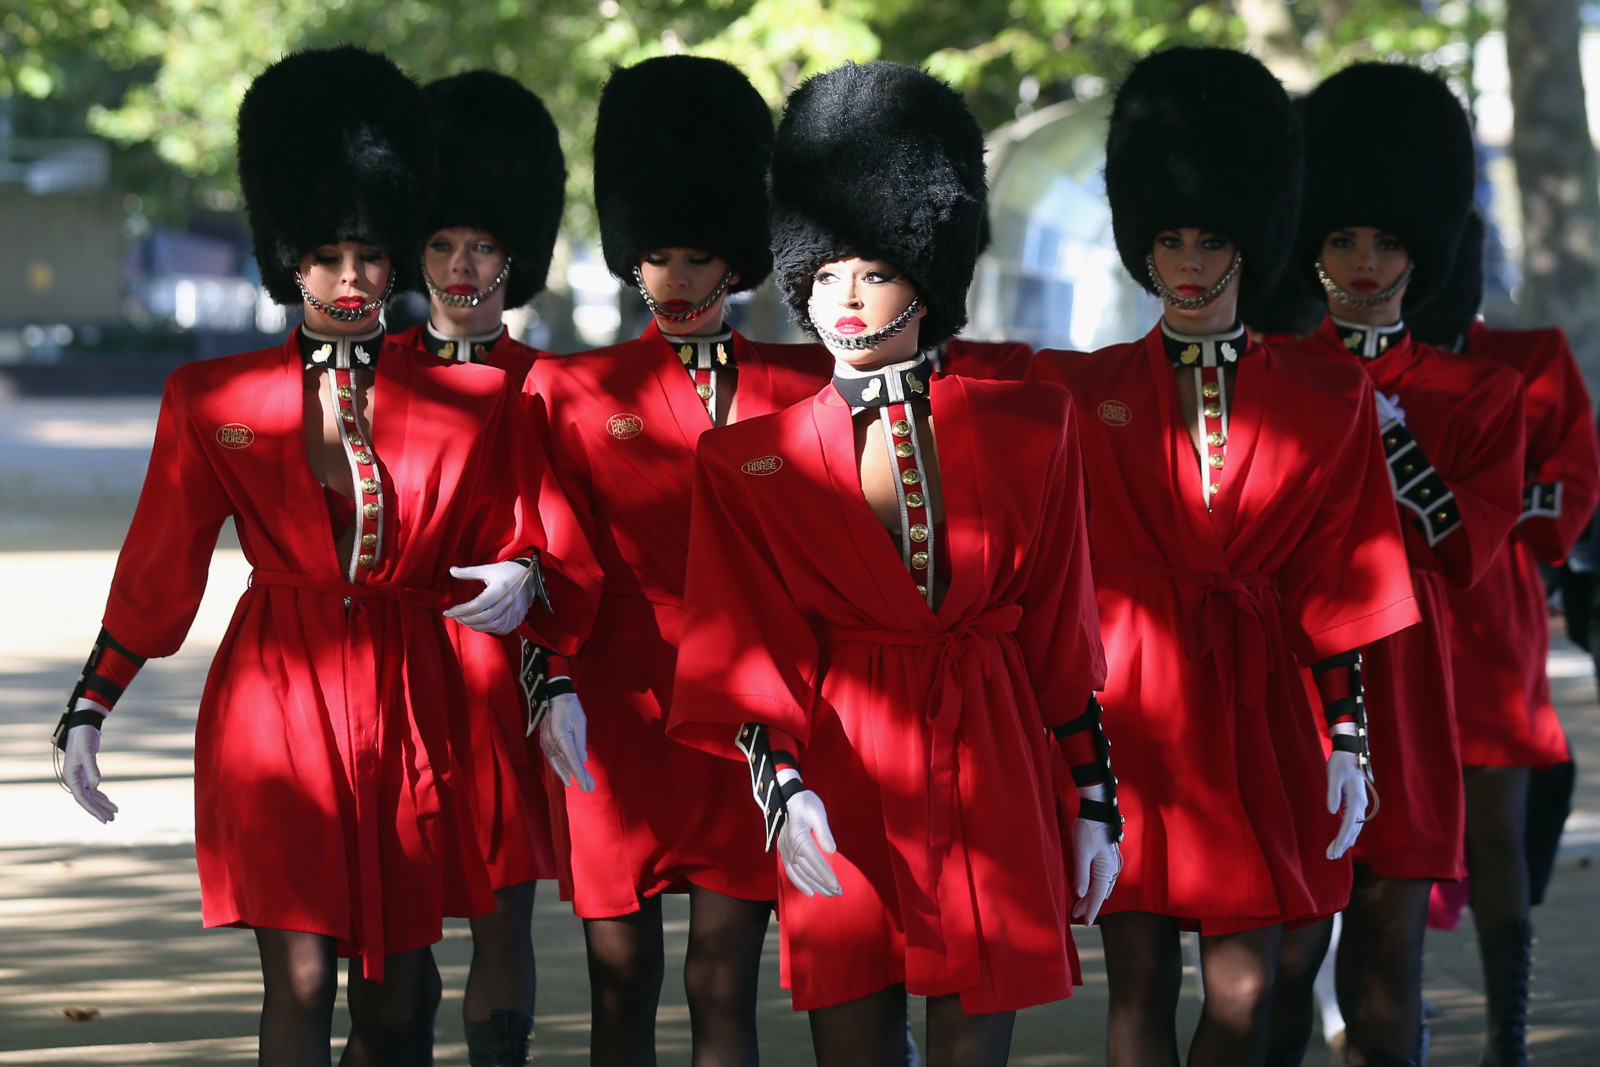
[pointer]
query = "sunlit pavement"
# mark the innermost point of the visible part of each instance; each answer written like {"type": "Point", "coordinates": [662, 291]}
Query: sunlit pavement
{"type": "Point", "coordinates": [102, 922]}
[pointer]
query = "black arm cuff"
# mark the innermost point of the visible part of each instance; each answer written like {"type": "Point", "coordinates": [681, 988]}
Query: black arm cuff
{"type": "Point", "coordinates": [771, 798]}
{"type": "Point", "coordinates": [1541, 500]}
{"type": "Point", "coordinates": [1418, 487]}
{"type": "Point", "coordinates": [1095, 772]}
{"type": "Point", "coordinates": [69, 719]}
{"type": "Point", "coordinates": [536, 576]}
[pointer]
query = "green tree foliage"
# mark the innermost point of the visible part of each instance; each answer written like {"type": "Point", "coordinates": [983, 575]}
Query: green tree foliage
{"type": "Point", "coordinates": [187, 62]}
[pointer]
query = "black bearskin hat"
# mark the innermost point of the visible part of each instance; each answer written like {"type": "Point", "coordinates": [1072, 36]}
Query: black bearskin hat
{"type": "Point", "coordinates": [1205, 138]}
{"type": "Point", "coordinates": [1443, 320]}
{"type": "Point", "coordinates": [1388, 146]}
{"type": "Point", "coordinates": [500, 171]}
{"type": "Point", "coordinates": [333, 146]}
{"type": "Point", "coordinates": [651, 194]}
{"type": "Point", "coordinates": [881, 161]}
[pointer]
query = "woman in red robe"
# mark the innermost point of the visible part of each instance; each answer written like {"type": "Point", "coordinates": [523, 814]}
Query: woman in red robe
{"type": "Point", "coordinates": [1242, 530]}
{"type": "Point", "coordinates": [332, 813]}
{"type": "Point", "coordinates": [688, 228]}
{"type": "Point", "coordinates": [888, 584]}
{"type": "Point", "coordinates": [1500, 640]}
{"type": "Point", "coordinates": [1380, 240]}
{"type": "Point", "coordinates": [491, 230]}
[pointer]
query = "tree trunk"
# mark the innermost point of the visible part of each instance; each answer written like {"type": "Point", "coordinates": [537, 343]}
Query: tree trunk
{"type": "Point", "coordinates": [1556, 176]}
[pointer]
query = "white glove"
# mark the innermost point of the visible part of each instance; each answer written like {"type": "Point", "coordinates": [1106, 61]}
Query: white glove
{"type": "Point", "coordinates": [564, 736]}
{"type": "Point", "coordinates": [1347, 789]}
{"type": "Point", "coordinates": [1389, 410]}
{"type": "Point", "coordinates": [80, 770]}
{"type": "Point", "coordinates": [1096, 861]}
{"type": "Point", "coordinates": [508, 592]}
{"type": "Point", "coordinates": [803, 861]}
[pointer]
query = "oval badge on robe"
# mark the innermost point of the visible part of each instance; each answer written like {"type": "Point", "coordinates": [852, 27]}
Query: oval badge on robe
{"type": "Point", "coordinates": [624, 426]}
{"type": "Point", "coordinates": [1115, 413]}
{"type": "Point", "coordinates": [762, 466]}
{"type": "Point", "coordinates": [235, 435]}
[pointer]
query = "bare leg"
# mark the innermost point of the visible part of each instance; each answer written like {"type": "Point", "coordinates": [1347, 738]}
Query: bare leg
{"type": "Point", "coordinates": [1379, 973]}
{"type": "Point", "coordinates": [301, 978]}
{"type": "Point", "coordinates": [956, 1039]}
{"type": "Point", "coordinates": [867, 1032]}
{"type": "Point", "coordinates": [502, 974]}
{"type": "Point", "coordinates": [721, 973]}
{"type": "Point", "coordinates": [1144, 969]}
{"type": "Point", "coordinates": [626, 961]}
{"type": "Point", "coordinates": [1292, 1000]}
{"type": "Point", "coordinates": [1236, 1021]}
{"type": "Point", "coordinates": [391, 1022]}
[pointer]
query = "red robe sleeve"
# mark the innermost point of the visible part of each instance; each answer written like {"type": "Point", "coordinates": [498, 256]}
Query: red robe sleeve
{"type": "Point", "coordinates": [1060, 627]}
{"type": "Point", "coordinates": [162, 569]}
{"type": "Point", "coordinates": [1562, 451]}
{"type": "Point", "coordinates": [747, 654]}
{"type": "Point", "coordinates": [1348, 582]}
{"type": "Point", "coordinates": [1480, 459]}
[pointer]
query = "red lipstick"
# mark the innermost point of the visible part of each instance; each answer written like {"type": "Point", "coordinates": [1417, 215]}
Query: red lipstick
{"type": "Point", "coordinates": [460, 290]}
{"type": "Point", "coordinates": [849, 325]}
{"type": "Point", "coordinates": [349, 302]}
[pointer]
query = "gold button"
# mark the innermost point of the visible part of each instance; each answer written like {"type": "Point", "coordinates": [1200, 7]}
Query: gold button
{"type": "Point", "coordinates": [1391, 441]}
{"type": "Point", "coordinates": [919, 560]}
{"type": "Point", "coordinates": [1214, 487]}
{"type": "Point", "coordinates": [370, 511]}
{"type": "Point", "coordinates": [369, 540]}
{"type": "Point", "coordinates": [919, 532]}
{"type": "Point", "coordinates": [364, 560]}
{"type": "Point", "coordinates": [911, 477]}
{"type": "Point", "coordinates": [1215, 439]}
{"type": "Point", "coordinates": [1217, 460]}
{"type": "Point", "coordinates": [704, 389]}
{"type": "Point", "coordinates": [1425, 492]}
{"type": "Point", "coordinates": [355, 440]}
{"type": "Point", "coordinates": [1213, 411]}
{"type": "Point", "coordinates": [345, 392]}
{"type": "Point", "coordinates": [922, 590]}
{"type": "Point", "coordinates": [901, 428]}
{"type": "Point", "coordinates": [913, 500]}
{"type": "Point", "coordinates": [363, 456]}
{"type": "Point", "coordinates": [1407, 469]}
{"type": "Point", "coordinates": [369, 486]}
{"type": "Point", "coordinates": [347, 415]}
{"type": "Point", "coordinates": [904, 450]}
{"type": "Point", "coordinates": [1441, 516]}
{"type": "Point", "coordinates": [1211, 390]}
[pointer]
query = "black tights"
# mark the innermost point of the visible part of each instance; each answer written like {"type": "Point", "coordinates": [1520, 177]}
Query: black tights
{"type": "Point", "coordinates": [1378, 971]}
{"type": "Point", "coordinates": [871, 1032]}
{"type": "Point", "coordinates": [1294, 1000]}
{"type": "Point", "coordinates": [1497, 817]}
{"type": "Point", "coordinates": [721, 971]}
{"type": "Point", "coordinates": [391, 1022]}
{"type": "Point", "coordinates": [502, 976]}
{"type": "Point", "coordinates": [1144, 970]}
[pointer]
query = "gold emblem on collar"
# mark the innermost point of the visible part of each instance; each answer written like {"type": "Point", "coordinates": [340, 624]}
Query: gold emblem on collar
{"type": "Point", "coordinates": [1352, 341]}
{"type": "Point", "coordinates": [874, 387]}
{"type": "Point", "coordinates": [1190, 354]}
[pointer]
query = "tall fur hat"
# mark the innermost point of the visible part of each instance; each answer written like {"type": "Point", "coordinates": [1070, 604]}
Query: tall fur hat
{"type": "Point", "coordinates": [1388, 146]}
{"type": "Point", "coordinates": [500, 171]}
{"type": "Point", "coordinates": [1205, 138]}
{"type": "Point", "coordinates": [333, 146]}
{"type": "Point", "coordinates": [650, 192]}
{"type": "Point", "coordinates": [1443, 320]}
{"type": "Point", "coordinates": [881, 161]}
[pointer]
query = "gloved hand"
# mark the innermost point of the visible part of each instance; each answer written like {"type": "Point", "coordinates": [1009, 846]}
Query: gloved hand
{"type": "Point", "coordinates": [80, 770]}
{"type": "Point", "coordinates": [803, 861]}
{"type": "Point", "coordinates": [1096, 863]}
{"type": "Point", "coordinates": [1347, 789]}
{"type": "Point", "coordinates": [508, 592]}
{"type": "Point", "coordinates": [564, 736]}
{"type": "Point", "coordinates": [1389, 410]}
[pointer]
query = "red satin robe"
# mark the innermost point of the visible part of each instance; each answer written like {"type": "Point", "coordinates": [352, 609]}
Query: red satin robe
{"type": "Point", "coordinates": [624, 422]}
{"type": "Point", "coordinates": [1501, 628]}
{"type": "Point", "coordinates": [515, 831]}
{"type": "Point", "coordinates": [922, 732]}
{"type": "Point", "coordinates": [328, 764]}
{"type": "Point", "coordinates": [1208, 616]}
{"type": "Point", "coordinates": [1466, 417]}
{"type": "Point", "coordinates": [1001, 361]}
